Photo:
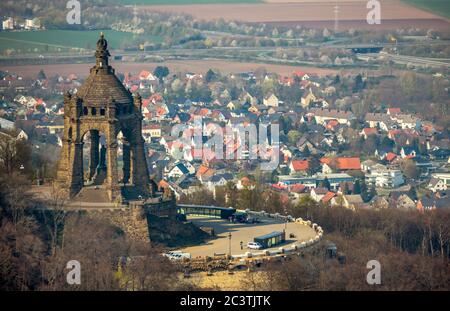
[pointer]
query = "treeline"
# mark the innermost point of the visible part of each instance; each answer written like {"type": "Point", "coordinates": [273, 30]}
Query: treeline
{"type": "Point", "coordinates": [426, 233]}
{"type": "Point", "coordinates": [413, 248]}
{"type": "Point", "coordinates": [411, 231]}
{"type": "Point", "coordinates": [399, 270]}
{"type": "Point", "coordinates": [229, 195]}
{"type": "Point", "coordinates": [37, 244]}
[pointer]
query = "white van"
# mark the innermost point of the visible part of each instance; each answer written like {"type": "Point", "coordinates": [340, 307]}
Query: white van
{"type": "Point", "coordinates": [254, 245]}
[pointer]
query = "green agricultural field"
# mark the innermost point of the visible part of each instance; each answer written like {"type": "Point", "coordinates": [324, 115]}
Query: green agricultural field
{"type": "Point", "coordinates": [61, 40]}
{"type": "Point", "coordinates": [438, 7]}
{"type": "Point", "coordinates": [179, 2]}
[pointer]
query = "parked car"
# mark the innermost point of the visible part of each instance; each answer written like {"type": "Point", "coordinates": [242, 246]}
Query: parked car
{"type": "Point", "coordinates": [177, 255]}
{"type": "Point", "coordinates": [254, 245]}
{"type": "Point", "coordinates": [252, 220]}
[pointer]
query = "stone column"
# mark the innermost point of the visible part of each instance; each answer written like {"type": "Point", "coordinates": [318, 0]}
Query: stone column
{"type": "Point", "coordinates": [126, 162]}
{"type": "Point", "coordinates": [112, 183]}
{"type": "Point", "coordinates": [76, 178]}
{"type": "Point", "coordinates": [141, 179]}
{"type": "Point", "coordinates": [102, 162]}
{"type": "Point", "coordinates": [94, 156]}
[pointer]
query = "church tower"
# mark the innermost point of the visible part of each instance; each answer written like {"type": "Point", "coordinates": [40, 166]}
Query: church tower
{"type": "Point", "coordinates": [103, 108]}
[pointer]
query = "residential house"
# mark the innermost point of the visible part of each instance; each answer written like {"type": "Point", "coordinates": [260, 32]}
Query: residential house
{"type": "Point", "coordinates": [271, 100]}
{"type": "Point", "coordinates": [330, 165]}
{"type": "Point", "coordinates": [379, 202]}
{"type": "Point", "coordinates": [22, 135]}
{"type": "Point", "coordinates": [405, 202]}
{"type": "Point", "coordinates": [350, 201]}
{"type": "Point", "coordinates": [151, 132]}
{"type": "Point", "coordinates": [311, 182]}
{"type": "Point", "coordinates": [378, 120]}
{"type": "Point", "coordinates": [393, 111]}
{"type": "Point", "coordinates": [427, 203]}
{"type": "Point", "coordinates": [178, 170]}
{"type": "Point", "coordinates": [383, 177]}
{"type": "Point", "coordinates": [204, 173]}
{"type": "Point", "coordinates": [321, 115]}
{"type": "Point", "coordinates": [6, 124]}
{"type": "Point", "coordinates": [219, 180]}
{"type": "Point", "coordinates": [445, 177]}
{"type": "Point", "coordinates": [299, 167]}
{"type": "Point", "coordinates": [318, 193]}
{"type": "Point", "coordinates": [326, 199]}
{"type": "Point", "coordinates": [408, 121]}
{"type": "Point", "coordinates": [408, 152]}
{"type": "Point", "coordinates": [366, 132]}
{"type": "Point", "coordinates": [245, 183]}
{"type": "Point", "coordinates": [308, 98]}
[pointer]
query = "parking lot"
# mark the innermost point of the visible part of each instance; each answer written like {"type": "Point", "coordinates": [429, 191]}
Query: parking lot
{"type": "Point", "coordinates": [244, 232]}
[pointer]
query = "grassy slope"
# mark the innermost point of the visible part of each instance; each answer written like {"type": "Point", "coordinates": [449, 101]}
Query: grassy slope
{"type": "Point", "coordinates": [27, 41]}
{"type": "Point", "coordinates": [438, 7]}
{"type": "Point", "coordinates": [177, 2]}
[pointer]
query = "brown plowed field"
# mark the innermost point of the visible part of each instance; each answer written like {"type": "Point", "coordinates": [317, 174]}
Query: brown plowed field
{"type": "Point", "coordinates": [198, 66]}
{"type": "Point", "coordinates": [352, 13]}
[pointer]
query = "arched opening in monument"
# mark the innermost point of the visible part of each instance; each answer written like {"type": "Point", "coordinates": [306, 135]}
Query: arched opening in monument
{"type": "Point", "coordinates": [94, 158]}
{"type": "Point", "coordinates": [124, 158]}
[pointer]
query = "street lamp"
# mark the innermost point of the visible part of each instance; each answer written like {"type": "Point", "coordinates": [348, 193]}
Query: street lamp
{"type": "Point", "coordinates": [229, 254]}
{"type": "Point", "coordinates": [229, 244]}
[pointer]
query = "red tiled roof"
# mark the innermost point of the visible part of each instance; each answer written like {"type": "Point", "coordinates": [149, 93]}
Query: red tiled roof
{"type": "Point", "coordinates": [328, 196]}
{"type": "Point", "coordinates": [298, 188]}
{"type": "Point", "coordinates": [245, 181]}
{"type": "Point", "coordinates": [163, 184]}
{"type": "Point", "coordinates": [279, 186]}
{"type": "Point", "coordinates": [394, 110]}
{"type": "Point", "coordinates": [332, 123]}
{"type": "Point", "coordinates": [390, 156]}
{"type": "Point", "coordinates": [343, 163]}
{"type": "Point", "coordinates": [156, 98]}
{"type": "Point", "coordinates": [370, 131]}
{"type": "Point", "coordinates": [145, 102]}
{"type": "Point", "coordinates": [349, 163]}
{"type": "Point", "coordinates": [203, 112]}
{"type": "Point", "coordinates": [299, 73]}
{"type": "Point", "coordinates": [144, 74]}
{"type": "Point", "coordinates": [284, 198]}
{"type": "Point", "coordinates": [326, 160]}
{"type": "Point", "coordinates": [300, 165]}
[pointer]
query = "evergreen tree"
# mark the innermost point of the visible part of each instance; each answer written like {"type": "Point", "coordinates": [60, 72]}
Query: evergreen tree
{"type": "Point", "coordinates": [161, 72]}
{"type": "Point", "coordinates": [210, 76]}
{"type": "Point", "coordinates": [357, 187]}
{"type": "Point", "coordinates": [344, 188]}
{"type": "Point", "coordinates": [41, 75]}
{"type": "Point", "coordinates": [337, 79]}
{"type": "Point", "coordinates": [306, 152]}
{"type": "Point", "coordinates": [325, 183]}
{"type": "Point", "coordinates": [314, 165]}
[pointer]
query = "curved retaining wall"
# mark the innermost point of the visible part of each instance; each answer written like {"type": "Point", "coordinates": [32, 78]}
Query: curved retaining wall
{"type": "Point", "coordinates": [222, 262]}
{"type": "Point", "coordinates": [284, 250]}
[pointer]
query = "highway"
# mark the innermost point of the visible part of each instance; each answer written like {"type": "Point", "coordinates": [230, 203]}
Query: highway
{"type": "Point", "coordinates": [405, 60]}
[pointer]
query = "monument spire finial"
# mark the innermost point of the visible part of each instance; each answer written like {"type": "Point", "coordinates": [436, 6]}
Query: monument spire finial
{"type": "Point", "coordinates": [102, 53]}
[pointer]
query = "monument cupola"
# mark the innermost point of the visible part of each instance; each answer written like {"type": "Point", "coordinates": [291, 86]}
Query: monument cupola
{"type": "Point", "coordinates": [104, 114]}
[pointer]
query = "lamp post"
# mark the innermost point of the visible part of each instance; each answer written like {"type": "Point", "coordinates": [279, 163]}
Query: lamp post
{"type": "Point", "coordinates": [229, 245]}
{"type": "Point", "coordinates": [229, 254]}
